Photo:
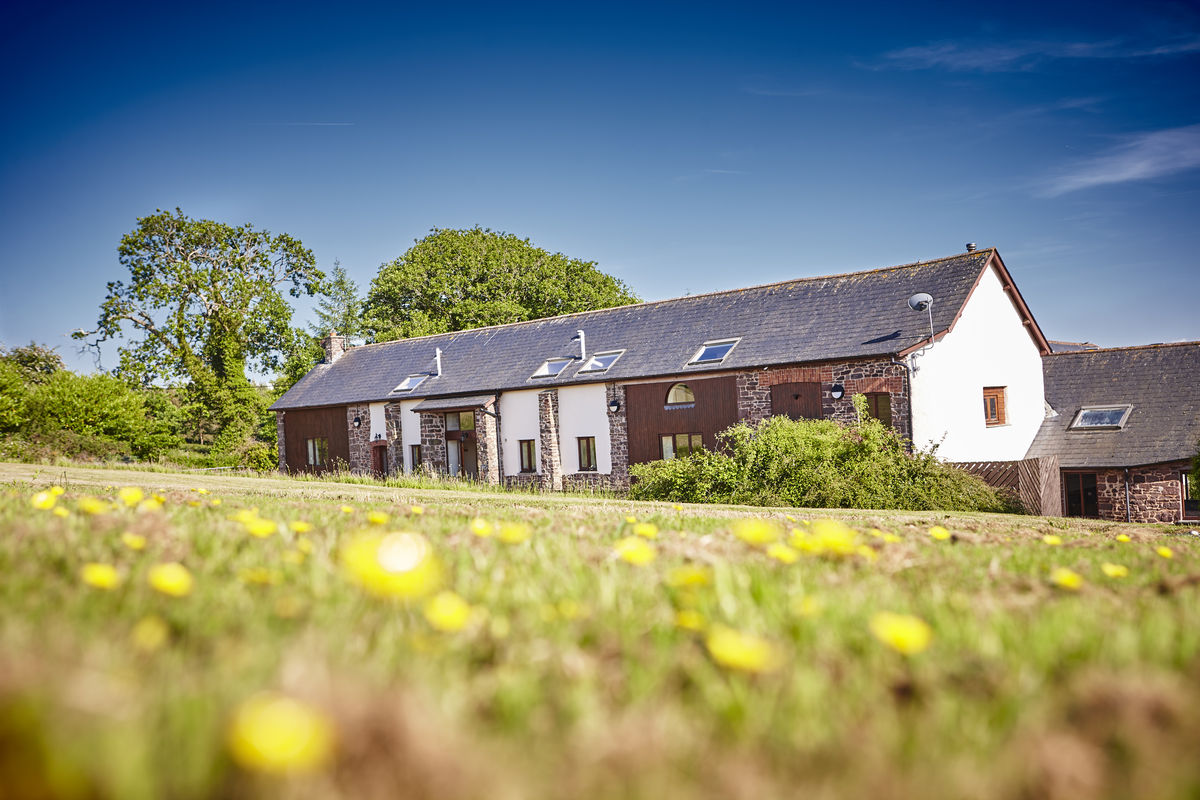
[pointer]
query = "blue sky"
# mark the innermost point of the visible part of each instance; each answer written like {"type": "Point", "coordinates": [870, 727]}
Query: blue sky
{"type": "Point", "coordinates": [684, 147]}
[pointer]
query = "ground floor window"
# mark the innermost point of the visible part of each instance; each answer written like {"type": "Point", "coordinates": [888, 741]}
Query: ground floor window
{"type": "Point", "coordinates": [318, 451]}
{"type": "Point", "coordinates": [414, 453]}
{"type": "Point", "coordinates": [679, 445]}
{"type": "Point", "coordinates": [879, 406]}
{"type": "Point", "coordinates": [587, 453]}
{"type": "Point", "coordinates": [1191, 495]}
{"type": "Point", "coordinates": [1082, 498]}
{"type": "Point", "coordinates": [527, 460]}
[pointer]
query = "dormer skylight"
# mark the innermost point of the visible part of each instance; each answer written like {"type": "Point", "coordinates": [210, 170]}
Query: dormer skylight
{"type": "Point", "coordinates": [600, 362]}
{"type": "Point", "coordinates": [410, 383]}
{"type": "Point", "coordinates": [551, 367]}
{"type": "Point", "coordinates": [1101, 417]}
{"type": "Point", "coordinates": [714, 352]}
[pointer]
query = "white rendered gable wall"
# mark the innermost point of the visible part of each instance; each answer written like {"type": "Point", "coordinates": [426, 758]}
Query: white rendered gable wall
{"type": "Point", "coordinates": [989, 346]}
{"type": "Point", "coordinates": [378, 423]}
{"type": "Point", "coordinates": [583, 411]}
{"type": "Point", "coordinates": [410, 432]}
{"type": "Point", "coordinates": [519, 420]}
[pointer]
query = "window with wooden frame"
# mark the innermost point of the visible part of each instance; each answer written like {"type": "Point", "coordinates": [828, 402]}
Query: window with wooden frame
{"type": "Point", "coordinates": [994, 412]}
{"type": "Point", "coordinates": [318, 451]}
{"type": "Point", "coordinates": [587, 453]}
{"type": "Point", "coordinates": [528, 464]}
{"type": "Point", "coordinates": [680, 396]}
{"type": "Point", "coordinates": [679, 445]}
{"type": "Point", "coordinates": [879, 406]}
{"type": "Point", "coordinates": [1190, 484]}
{"type": "Point", "coordinates": [414, 453]}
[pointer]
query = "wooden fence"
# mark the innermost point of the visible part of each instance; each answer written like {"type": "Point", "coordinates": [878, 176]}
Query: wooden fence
{"type": "Point", "coordinates": [1035, 482]}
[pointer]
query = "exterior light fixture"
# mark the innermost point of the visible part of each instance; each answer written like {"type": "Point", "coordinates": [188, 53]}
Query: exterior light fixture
{"type": "Point", "coordinates": [614, 406]}
{"type": "Point", "coordinates": [358, 422]}
{"type": "Point", "coordinates": [837, 391]}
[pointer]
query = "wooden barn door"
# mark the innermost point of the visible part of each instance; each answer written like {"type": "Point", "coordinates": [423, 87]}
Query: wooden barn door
{"type": "Point", "coordinates": [796, 400]}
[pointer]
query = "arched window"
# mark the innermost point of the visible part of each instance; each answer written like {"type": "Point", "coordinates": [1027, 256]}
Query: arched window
{"type": "Point", "coordinates": [680, 393]}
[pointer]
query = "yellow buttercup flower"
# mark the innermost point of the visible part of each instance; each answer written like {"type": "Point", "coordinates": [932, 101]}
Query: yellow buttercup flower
{"type": "Point", "coordinates": [151, 503]}
{"type": "Point", "coordinates": [300, 526]}
{"type": "Point", "coordinates": [689, 575]}
{"type": "Point", "coordinates": [417, 510]}
{"type": "Point", "coordinates": [481, 527]}
{"type": "Point", "coordinates": [781, 552]}
{"type": "Point", "coordinates": [742, 651]}
{"type": "Point", "coordinates": [57, 491]}
{"type": "Point", "coordinates": [647, 530]}
{"type": "Point", "coordinates": [347, 509]}
{"type": "Point", "coordinates": [1124, 537]}
{"type": "Point", "coordinates": [216, 501]}
{"type": "Point", "coordinates": [1052, 540]}
{"type": "Point", "coordinates": [43, 501]}
{"type": "Point", "coordinates": [631, 519]}
{"type": "Point", "coordinates": [171, 579]}
{"type": "Point", "coordinates": [1165, 552]}
{"type": "Point", "coordinates": [259, 527]}
{"type": "Point", "coordinates": [130, 495]}
{"type": "Point", "coordinates": [93, 505]}
{"type": "Point", "coordinates": [1066, 579]}
{"type": "Point", "coordinates": [448, 612]}
{"type": "Point", "coordinates": [133, 541]}
{"type": "Point", "coordinates": [1115, 570]}
{"type": "Point", "coordinates": [755, 532]}
{"type": "Point", "coordinates": [277, 734]}
{"type": "Point", "coordinates": [400, 564]}
{"type": "Point", "coordinates": [677, 507]}
{"type": "Point", "coordinates": [150, 633]}
{"type": "Point", "coordinates": [200, 490]}
{"type": "Point", "coordinates": [101, 576]}
{"type": "Point", "coordinates": [378, 518]}
{"type": "Point", "coordinates": [826, 537]}
{"type": "Point", "coordinates": [903, 633]}
{"type": "Point", "coordinates": [61, 512]}
{"type": "Point", "coordinates": [939, 533]}
{"type": "Point", "coordinates": [635, 550]}
{"type": "Point", "coordinates": [689, 620]}
{"type": "Point", "coordinates": [513, 532]}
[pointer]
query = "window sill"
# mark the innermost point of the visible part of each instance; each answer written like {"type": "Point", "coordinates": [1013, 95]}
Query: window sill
{"type": "Point", "coordinates": [678, 406]}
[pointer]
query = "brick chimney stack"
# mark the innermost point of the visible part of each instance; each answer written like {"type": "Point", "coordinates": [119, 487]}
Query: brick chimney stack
{"type": "Point", "coordinates": [334, 346]}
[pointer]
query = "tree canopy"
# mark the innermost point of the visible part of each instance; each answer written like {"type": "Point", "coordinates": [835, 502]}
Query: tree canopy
{"type": "Point", "coordinates": [341, 307]}
{"type": "Point", "coordinates": [203, 301]}
{"type": "Point", "coordinates": [457, 279]}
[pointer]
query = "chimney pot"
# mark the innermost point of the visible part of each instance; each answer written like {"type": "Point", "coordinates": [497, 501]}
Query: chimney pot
{"type": "Point", "coordinates": [970, 247]}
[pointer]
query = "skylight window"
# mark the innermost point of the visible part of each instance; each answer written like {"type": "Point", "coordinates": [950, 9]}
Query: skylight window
{"type": "Point", "coordinates": [410, 383]}
{"type": "Point", "coordinates": [1099, 417]}
{"type": "Point", "coordinates": [600, 362]}
{"type": "Point", "coordinates": [714, 352]}
{"type": "Point", "coordinates": [551, 367]}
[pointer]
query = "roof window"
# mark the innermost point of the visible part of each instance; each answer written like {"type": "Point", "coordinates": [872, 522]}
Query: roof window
{"type": "Point", "coordinates": [600, 362]}
{"type": "Point", "coordinates": [551, 367]}
{"type": "Point", "coordinates": [1101, 417]}
{"type": "Point", "coordinates": [410, 383]}
{"type": "Point", "coordinates": [714, 352]}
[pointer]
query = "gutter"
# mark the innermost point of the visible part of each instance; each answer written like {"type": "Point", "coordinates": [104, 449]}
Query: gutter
{"type": "Point", "coordinates": [1128, 511]}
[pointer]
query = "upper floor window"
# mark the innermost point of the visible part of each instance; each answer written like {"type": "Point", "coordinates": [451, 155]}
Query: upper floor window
{"type": "Point", "coordinates": [994, 412]}
{"type": "Point", "coordinates": [551, 367]}
{"type": "Point", "coordinates": [460, 421]}
{"type": "Point", "coordinates": [600, 362]}
{"type": "Point", "coordinates": [410, 383]}
{"type": "Point", "coordinates": [714, 352]}
{"type": "Point", "coordinates": [1101, 417]}
{"type": "Point", "coordinates": [680, 394]}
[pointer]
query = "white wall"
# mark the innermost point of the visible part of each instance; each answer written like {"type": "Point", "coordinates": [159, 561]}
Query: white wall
{"type": "Point", "coordinates": [519, 420]}
{"type": "Point", "coordinates": [583, 411]}
{"type": "Point", "coordinates": [989, 346]}
{"type": "Point", "coordinates": [410, 431]}
{"type": "Point", "coordinates": [378, 423]}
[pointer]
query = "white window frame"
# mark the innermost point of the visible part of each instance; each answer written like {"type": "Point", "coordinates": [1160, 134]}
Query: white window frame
{"type": "Point", "coordinates": [732, 342]}
{"type": "Point", "coordinates": [589, 368]}
{"type": "Point", "coordinates": [543, 372]}
{"type": "Point", "coordinates": [402, 388]}
{"type": "Point", "coordinates": [1075, 426]}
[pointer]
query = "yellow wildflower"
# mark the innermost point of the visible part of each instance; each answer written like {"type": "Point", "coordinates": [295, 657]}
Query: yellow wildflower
{"type": "Point", "coordinates": [200, 490]}
{"type": "Point", "coordinates": [194, 503]}
{"type": "Point", "coordinates": [93, 505]}
{"type": "Point", "coordinates": [1067, 579]}
{"type": "Point", "coordinates": [277, 734]}
{"type": "Point", "coordinates": [448, 612]}
{"type": "Point", "coordinates": [57, 491]}
{"type": "Point", "coordinates": [689, 620]}
{"type": "Point", "coordinates": [400, 564]}
{"type": "Point", "coordinates": [755, 532]}
{"type": "Point", "coordinates": [631, 519]}
{"type": "Point", "coordinates": [891, 538]}
{"type": "Point", "coordinates": [417, 510]}
{"type": "Point", "coordinates": [130, 496]}
{"type": "Point", "coordinates": [378, 518]}
{"type": "Point", "coordinates": [1124, 537]}
{"type": "Point", "coordinates": [133, 541]}
{"type": "Point", "coordinates": [689, 575]}
{"type": "Point", "coordinates": [481, 527]}
{"type": "Point", "coordinates": [43, 501]}
{"type": "Point", "coordinates": [781, 552]}
{"type": "Point", "coordinates": [150, 633]}
{"type": "Point", "coordinates": [216, 501]}
{"type": "Point", "coordinates": [677, 507]}
{"type": "Point", "coordinates": [867, 552]}
{"type": "Point", "coordinates": [826, 537]}
{"type": "Point", "coordinates": [347, 509]}
{"type": "Point", "coordinates": [647, 530]}
{"type": "Point", "coordinates": [635, 550]}
{"type": "Point", "coordinates": [905, 634]}
{"type": "Point", "coordinates": [939, 533]}
{"type": "Point", "coordinates": [101, 576]}
{"type": "Point", "coordinates": [513, 532]}
{"type": "Point", "coordinates": [261, 576]}
{"type": "Point", "coordinates": [171, 579]}
{"type": "Point", "coordinates": [1115, 570]}
{"type": "Point", "coordinates": [151, 503]}
{"type": "Point", "coordinates": [744, 651]}
{"type": "Point", "coordinates": [807, 606]}
{"type": "Point", "coordinates": [300, 526]}
{"type": "Point", "coordinates": [1165, 552]}
{"type": "Point", "coordinates": [259, 527]}
{"type": "Point", "coordinates": [1052, 540]}
{"type": "Point", "coordinates": [304, 545]}
{"type": "Point", "coordinates": [61, 512]}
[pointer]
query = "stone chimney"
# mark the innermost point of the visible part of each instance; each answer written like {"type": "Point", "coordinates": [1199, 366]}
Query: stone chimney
{"type": "Point", "coordinates": [334, 346]}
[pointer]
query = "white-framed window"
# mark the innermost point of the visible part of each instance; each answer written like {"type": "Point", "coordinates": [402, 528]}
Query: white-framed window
{"type": "Point", "coordinates": [410, 383]}
{"type": "Point", "coordinates": [1101, 417]}
{"type": "Point", "coordinates": [600, 362]}
{"type": "Point", "coordinates": [1190, 485]}
{"type": "Point", "coordinates": [714, 352]}
{"type": "Point", "coordinates": [317, 451]}
{"type": "Point", "coordinates": [680, 395]}
{"type": "Point", "coordinates": [551, 367]}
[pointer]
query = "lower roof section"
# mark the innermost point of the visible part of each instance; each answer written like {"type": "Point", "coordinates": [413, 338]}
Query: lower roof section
{"type": "Point", "coordinates": [468, 403]}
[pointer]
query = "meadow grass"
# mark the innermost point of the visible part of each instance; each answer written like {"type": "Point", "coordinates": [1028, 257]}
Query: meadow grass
{"type": "Point", "coordinates": [571, 672]}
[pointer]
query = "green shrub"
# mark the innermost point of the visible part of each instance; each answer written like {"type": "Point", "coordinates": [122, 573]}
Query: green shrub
{"type": "Point", "coordinates": [14, 397]}
{"type": "Point", "coordinates": [816, 464]}
{"type": "Point", "coordinates": [260, 457]}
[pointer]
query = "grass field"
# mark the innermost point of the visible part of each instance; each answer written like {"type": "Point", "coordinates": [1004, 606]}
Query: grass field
{"type": "Point", "coordinates": [519, 646]}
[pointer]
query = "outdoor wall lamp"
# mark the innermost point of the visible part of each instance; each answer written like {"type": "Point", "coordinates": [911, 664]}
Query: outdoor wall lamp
{"type": "Point", "coordinates": [614, 406]}
{"type": "Point", "coordinates": [358, 422]}
{"type": "Point", "coordinates": [837, 391]}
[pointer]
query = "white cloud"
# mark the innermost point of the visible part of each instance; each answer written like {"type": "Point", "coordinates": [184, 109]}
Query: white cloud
{"type": "Point", "coordinates": [1015, 56]}
{"type": "Point", "coordinates": [1141, 157]}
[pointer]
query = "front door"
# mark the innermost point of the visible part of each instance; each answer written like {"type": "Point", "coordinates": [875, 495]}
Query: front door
{"type": "Point", "coordinates": [1081, 495]}
{"type": "Point", "coordinates": [379, 459]}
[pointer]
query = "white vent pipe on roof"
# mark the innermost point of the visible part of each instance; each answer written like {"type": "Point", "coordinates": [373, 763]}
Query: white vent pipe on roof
{"type": "Point", "coordinates": [579, 336]}
{"type": "Point", "coordinates": [437, 359]}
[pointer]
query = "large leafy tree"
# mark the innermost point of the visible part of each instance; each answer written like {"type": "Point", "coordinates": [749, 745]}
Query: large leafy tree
{"type": "Point", "coordinates": [456, 279]}
{"type": "Point", "coordinates": [203, 303]}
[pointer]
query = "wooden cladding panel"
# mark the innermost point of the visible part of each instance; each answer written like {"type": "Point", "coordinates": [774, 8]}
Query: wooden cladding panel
{"type": "Point", "coordinates": [648, 417]}
{"type": "Point", "coordinates": [796, 400]}
{"type": "Point", "coordinates": [316, 423]}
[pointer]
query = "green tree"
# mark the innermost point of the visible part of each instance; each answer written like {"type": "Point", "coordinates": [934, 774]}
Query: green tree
{"type": "Point", "coordinates": [457, 279]}
{"type": "Point", "coordinates": [204, 303]}
{"type": "Point", "coordinates": [341, 307]}
{"type": "Point", "coordinates": [36, 362]}
{"type": "Point", "coordinates": [302, 355]}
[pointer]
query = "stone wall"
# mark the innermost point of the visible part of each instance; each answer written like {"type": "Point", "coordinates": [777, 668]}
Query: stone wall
{"type": "Point", "coordinates": [551, 463]}
{"type": "Point", "coordinates": [395, 439]}
{"type": "Point", "coordinates": [754, 396]}
{"type": "Point", "coordinates": [595, 481]}
{"type": "Point", "coordinates": [279, 433]}
{"type": "Point", "coordinates": [487, 446]}
{"type": "Point", "coordinates": [360, 437]}
{"type": "Point", "coordinates": [433, 442]}
{"type": "Point", "coordinates": [618, 437]}
{"type": "Point", "coordinates": [1155, 493]}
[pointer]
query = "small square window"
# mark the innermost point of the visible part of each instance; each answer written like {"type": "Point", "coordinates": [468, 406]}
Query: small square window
{"type": "Point", "coordinates": [714, 352]}
{"type": "Point", "coordinates": [1094, 417]}
{"type": "Point", "coordinates": [528, 464]}
{"type": "Point", "coordinates": [466, 420]}
{"type": "Point", "coordinates": [414, 452]}
{"type": "Point", "coordinates": [994, 411]}
{"type": "Point", "coordinates": [600, 362]}
{"type": "Point", "coordinates": [587, 453]}
{"type": "Point", "coordinates": [879, 406]}
{"type": "Point", "coordinates": [410, 383]}
{"type": "Point", "coordinates": [551, 367]}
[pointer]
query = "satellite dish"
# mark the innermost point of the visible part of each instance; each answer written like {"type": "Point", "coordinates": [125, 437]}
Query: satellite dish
{"type": "Point", "coordinates": [920, 301]}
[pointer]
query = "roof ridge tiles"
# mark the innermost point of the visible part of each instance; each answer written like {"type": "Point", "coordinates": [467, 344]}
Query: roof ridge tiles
{"type": "Point", "coordinates": [1123, 348]}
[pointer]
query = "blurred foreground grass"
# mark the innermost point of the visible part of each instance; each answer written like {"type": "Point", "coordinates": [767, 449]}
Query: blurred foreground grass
{"type": "Point", "coordinates": [523, 646]}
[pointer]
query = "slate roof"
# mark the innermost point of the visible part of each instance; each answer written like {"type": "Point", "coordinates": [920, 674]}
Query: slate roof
{"type": "Point", "coordinates": [1161, 382]}
{"type": "Point", "coordinates": [809, 319]}
{"type": "Point", "coordinates": [1057, 346]}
